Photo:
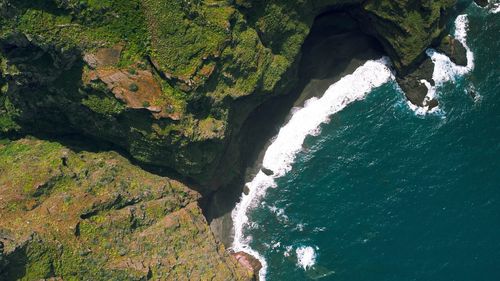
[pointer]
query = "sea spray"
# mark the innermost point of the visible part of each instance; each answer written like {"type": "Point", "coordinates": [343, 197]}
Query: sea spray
{"type": "Point", "coordinates": [305, 121]}
{"type": "Point", "coordinates": [444, 69]}
{"type": "Point", "coordinates": [306, 256]}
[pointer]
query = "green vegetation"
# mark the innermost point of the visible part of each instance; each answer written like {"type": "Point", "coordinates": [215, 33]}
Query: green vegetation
{"type": "Point", "coordinates": [133, 87]}
{"type": "Point", "coordinates": [107, 105]}
{"type": "Point", "coordinates": [208, 65]}
{"type": "Point", "coordinates": [94, 216]}
{"type": "Point", "coordinates": [184, 34]}
{"type": "Point", "coordinates": [85, 24]}
{"type": "Point", "coordinates": [408, 30]}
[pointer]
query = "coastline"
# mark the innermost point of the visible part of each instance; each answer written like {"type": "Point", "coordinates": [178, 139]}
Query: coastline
{"type": "Point", "coordinates": [327, 57]}
{"type": "Point", "coordinates": [325, 60]}
{"type": "Point", "coordinates": [313, 88]}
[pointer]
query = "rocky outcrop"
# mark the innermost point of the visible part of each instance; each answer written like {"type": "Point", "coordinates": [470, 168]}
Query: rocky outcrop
{"type": "Point", "coordinates": [94, 216]}
{"type": "Point", "coordinates": [454, 49]}
{"type": "Point", "coordinates": [249, 262]}
{"type": "Point", "coordinates": [413, 86]}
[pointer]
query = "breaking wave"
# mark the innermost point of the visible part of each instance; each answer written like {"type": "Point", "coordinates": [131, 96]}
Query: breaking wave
{"type": "Point", "coordinates": [444, 69]}
{"type": "Point", "coordinates": [281, 154]}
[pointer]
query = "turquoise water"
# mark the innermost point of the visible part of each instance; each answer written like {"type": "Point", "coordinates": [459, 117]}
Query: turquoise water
{"type": "Point", "coordinates": [384, 194]}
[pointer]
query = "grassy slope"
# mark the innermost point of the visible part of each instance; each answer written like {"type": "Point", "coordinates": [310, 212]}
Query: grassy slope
{"type": "Point", "coordinates": [214, 62]}
{"type": "Point", "coordinates": [94, 216]}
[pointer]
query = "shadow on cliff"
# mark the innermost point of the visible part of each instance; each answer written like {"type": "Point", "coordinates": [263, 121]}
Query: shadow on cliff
{"type": "Point", "coordinates": [335, 47]}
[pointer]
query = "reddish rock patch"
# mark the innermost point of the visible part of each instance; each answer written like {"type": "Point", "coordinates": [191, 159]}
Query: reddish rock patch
{"type": "Point", "coordinates": [249, 262]}
{"type": "Point", "coordinates": [104, 57]}
{"type": "Point", "coordinates": [138, 90]}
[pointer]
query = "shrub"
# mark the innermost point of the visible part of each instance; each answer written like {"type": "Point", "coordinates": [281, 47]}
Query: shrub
{"type": "Point", "coordinates": [133, 87]}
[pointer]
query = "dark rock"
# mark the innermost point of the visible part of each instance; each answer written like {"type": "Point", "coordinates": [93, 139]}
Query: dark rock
{"type": "Point", "coordinates": [432, 103]}
{"type": "Point", "coordinates": [472, 94]}
{"type": "Point", "coordinates": [481, 3]}
{"type": "Point", "coordinates": [415, 91]}
{"type": "Point", "coordinates": [2, 258]}
{"type": "Point", "coordinates": [267, 171]}
{"type": "Point", "coordinates": [246, 190]}
{"type": "Point", "coordinates": [454, 49]}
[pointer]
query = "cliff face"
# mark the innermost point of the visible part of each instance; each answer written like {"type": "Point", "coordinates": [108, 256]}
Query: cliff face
{"type": "Point", "coordinates": [172, 82]}
{"type": "Point", "coordinates": [94, 216]}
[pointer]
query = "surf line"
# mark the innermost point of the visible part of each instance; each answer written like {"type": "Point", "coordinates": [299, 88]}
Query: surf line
{"type": "Point", "coordinates": [444, 69]}
{"type": "Point", "coordinates": [280, 155]}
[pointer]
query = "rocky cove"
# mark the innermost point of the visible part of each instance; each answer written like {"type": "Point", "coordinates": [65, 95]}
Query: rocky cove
{"type": "Point", "coordinates": [85, 82]}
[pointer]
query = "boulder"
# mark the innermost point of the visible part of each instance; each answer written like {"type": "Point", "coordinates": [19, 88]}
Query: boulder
{"type": "Point", "coordinates": [249, 262]}
{"type": "Point", "coordinates": [454, 49]}
{"type": "Point", "coordinates": [267, 171]}
{"type": "Point", "coordinates": [415, 91]}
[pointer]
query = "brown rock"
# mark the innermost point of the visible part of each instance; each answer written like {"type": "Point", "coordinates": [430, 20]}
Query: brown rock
{"type": "Point", "coordinates": [146, 93]}
{"type": "Point", "coordinates": [246, 190]}
{"type": "Point", "coordinates": [432, 103]}
{"type": "Point", "coordinates": [104, 57]}
{"type": "Point", "coordinates": [248, 261]}
{"type": "Point", "coordinates": [267, 171]}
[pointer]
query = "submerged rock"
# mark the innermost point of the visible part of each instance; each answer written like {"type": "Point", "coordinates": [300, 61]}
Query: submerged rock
{"type": "Point", "coordinates": [472, 94]}
{"type": "Point", "coordinates": [482, 3]}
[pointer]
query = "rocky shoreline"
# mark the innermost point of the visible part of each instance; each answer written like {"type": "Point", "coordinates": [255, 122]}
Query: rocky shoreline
{"type": "Point", "coordinates": [324, 61]}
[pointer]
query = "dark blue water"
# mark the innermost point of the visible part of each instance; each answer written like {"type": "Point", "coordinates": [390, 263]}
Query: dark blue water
{"type": "Point", "coordinates": [384, 194]}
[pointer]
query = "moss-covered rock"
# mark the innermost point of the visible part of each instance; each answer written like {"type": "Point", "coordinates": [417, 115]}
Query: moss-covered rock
{"type": "Point", "coordinates": [172, 82]}
{"type": "Point", "coordinates": [94, 216]}
{"type": "Point", "coordinates": [407, 28]}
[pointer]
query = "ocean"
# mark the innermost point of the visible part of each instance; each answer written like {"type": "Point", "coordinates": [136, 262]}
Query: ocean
{"type": "Point", "coordinates": [368, 187]}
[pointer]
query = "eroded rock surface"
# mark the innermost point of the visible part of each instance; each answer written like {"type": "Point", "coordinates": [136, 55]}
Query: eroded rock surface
{"type": "Point", "coordinates": [94, 216]}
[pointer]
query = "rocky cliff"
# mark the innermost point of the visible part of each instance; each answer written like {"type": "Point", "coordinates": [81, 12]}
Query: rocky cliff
{"type": "Point", "coordinates": [94, 216]}
{"type": "Point", "coordinates": [172, 84]}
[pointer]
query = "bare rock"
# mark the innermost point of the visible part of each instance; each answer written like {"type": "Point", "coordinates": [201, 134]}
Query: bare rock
{"type": "Point", "coordinates": [249, 262]}
{"type": "Point", "coordinates": [104, 57]}
{"type": "Point", "coordinates": [267, 171]}
{"type": "Point", "coordinates": [415, 91]}
{"type": "Point", "coordinates": [454, 49]}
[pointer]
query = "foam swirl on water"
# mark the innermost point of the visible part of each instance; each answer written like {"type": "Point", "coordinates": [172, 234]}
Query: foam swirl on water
{"type": "Point", "coordinates": [306, 257]}
{"type": "Point", "coordinates": [305, 121]}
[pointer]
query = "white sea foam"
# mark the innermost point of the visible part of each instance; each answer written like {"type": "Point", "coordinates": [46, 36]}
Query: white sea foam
{"type": "Point", "coordinates": [431, 94]}
{"type": "Point", "coordinates": [444, 69]}
{"type": "Point", "coordinates": [305, 121]}
{"type": "Point", "coordinates": [306, 257]}
{"type": "Point", "coordinates": [495, 8]}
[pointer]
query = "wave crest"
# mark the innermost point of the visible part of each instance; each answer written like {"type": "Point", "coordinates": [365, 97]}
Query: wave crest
{"type": "Point", "coordinates": [305, 121]}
